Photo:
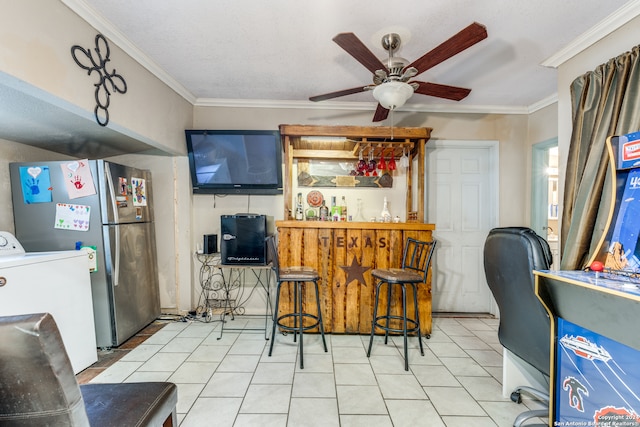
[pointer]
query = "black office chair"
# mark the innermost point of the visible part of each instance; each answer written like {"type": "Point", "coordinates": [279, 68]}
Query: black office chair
{"type": "Point", "coordinates": [510, 256]}
{"type": "Point", "coordinates": [294, 322]}
{"type": "Point", "coordinates": [38, 388]}
{"type": "Point", "coordinates": [416, 259]}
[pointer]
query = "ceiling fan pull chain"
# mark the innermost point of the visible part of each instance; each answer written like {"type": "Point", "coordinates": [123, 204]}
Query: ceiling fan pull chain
{"type": "Point", "coordinates": [391, 124]}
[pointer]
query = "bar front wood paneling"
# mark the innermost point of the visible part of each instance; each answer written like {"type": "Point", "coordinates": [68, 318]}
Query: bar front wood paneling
{"type": "Point", "coordinates": [345, 253]}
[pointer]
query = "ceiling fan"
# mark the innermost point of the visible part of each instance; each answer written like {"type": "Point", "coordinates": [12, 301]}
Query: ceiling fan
{"type": "Point", "coordinates": [391, 86]}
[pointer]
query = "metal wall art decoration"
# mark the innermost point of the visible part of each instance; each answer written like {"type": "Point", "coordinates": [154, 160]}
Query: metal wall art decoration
{"type": "Point", "coordinates": [108, 83]}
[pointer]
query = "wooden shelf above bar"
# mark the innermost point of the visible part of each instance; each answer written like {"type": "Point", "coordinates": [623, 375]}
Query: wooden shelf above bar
{"type": "Point", "coordinates": [345, 143]}
{"type": "Point", "coordinates": [375, 132]}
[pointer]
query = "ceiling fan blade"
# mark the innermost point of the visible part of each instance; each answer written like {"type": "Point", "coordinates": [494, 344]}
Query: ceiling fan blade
{"type": "Point", "coordinates": [354, 47]}
{"type": "Point", "coordinates": [454, 45]}
{"type": "Point", "coordinates": [337, 94]}
{"type": "Point", "coordinates": [442, 91]}
{"type": "Point", "coordinates": [380, 114]}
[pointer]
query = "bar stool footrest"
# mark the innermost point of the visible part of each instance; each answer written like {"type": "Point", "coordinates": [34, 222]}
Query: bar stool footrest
{"type": "Point", "coordinates": [414, 328]}
{"type": "Point", "coordinates": [315, 324]}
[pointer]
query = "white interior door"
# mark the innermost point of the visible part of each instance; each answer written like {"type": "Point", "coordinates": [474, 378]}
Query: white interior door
{"type": "Point", "coordinates": [462, 179]}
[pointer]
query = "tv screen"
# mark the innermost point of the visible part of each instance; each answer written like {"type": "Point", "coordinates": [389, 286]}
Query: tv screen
{"type": "Point", "coordinates": [235, 161]}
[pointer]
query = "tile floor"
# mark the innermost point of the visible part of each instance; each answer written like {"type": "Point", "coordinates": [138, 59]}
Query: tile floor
{"type": "Point", "coordinates": [233, 382]}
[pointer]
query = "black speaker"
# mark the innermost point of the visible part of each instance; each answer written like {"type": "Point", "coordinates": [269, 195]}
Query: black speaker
{"type": "Point", "coordinates": [210, 245]}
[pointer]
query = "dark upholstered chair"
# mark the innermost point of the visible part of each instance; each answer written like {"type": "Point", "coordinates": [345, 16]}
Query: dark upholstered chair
{"type": "Point", "coordinates": [294, 322]}
{"type": "Point", "coordinates": [38, 387]}
{"type": "Point", "coordinates": [416, 259]}
{"type": "Point", "coordinates": [510, 256]}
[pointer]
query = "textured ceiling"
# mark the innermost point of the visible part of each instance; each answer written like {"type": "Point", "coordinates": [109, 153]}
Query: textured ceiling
{"type": "Point", "coordinates": [282, 50]}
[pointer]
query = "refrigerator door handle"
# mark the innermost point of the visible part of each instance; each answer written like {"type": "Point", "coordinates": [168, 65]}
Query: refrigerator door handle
{"type": "Point", "coordinates": [114, 207]}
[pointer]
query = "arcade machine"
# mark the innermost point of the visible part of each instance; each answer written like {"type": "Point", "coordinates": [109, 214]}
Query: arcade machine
{"type": "Point", "coordinates": [596, 313]}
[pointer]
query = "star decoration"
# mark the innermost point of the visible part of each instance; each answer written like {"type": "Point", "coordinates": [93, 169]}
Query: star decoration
{"type": "Point", "coordinates": [354, 272]}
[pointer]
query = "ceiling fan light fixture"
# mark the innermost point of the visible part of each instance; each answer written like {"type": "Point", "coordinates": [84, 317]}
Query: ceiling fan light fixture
{"type": "Point", "coordinates": [393, 94]}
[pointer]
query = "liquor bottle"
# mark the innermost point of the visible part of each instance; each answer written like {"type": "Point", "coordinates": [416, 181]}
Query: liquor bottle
{"type": "Point", "coordinates": [324, 212]}
{"type": "Point", "coordinates": [299, 208]}
{"type": "Point", "coordinates": [335, 210]}
{"type": "Point", "coordinates": [385, 215]}
{"type": "Point", "coordinates": [343, 209]}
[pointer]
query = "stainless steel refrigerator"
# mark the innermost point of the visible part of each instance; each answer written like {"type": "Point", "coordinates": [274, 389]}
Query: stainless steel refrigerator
{"type": "Point", "coordinates": [56, 208]}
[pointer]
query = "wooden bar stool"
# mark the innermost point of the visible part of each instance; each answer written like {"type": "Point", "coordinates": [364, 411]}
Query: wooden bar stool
{"type": "Point", "coordinates": [298, 276]}
{"type": "Point", "coordinates": [416, 259]}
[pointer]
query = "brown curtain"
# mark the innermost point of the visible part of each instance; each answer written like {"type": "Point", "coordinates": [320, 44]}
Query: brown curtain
{"type": "Point", "coordinates": [604, 102]}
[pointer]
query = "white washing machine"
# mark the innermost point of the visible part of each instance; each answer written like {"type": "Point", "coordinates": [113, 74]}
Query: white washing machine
{"type": "Point", "coordinates": [53, 282]}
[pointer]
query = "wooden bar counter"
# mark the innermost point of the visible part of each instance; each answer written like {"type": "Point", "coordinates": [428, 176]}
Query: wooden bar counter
{"type": "Point", "coordinates": [345, 253]}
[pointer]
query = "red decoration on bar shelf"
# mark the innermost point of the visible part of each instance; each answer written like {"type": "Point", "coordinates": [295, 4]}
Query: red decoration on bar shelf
{"type": "Point", "coordinates": [392, 162]}
{"type": "Point", "coordinates": [382, 164]}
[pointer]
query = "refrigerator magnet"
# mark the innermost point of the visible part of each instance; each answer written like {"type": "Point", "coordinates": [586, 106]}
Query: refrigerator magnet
{"type": "Point", "coordinates": [36, 184]}
{"type": "Point", "coordinates": [122, 186]}
{"type": "Point", "coordinates": [121, 201]}
{"type": "Point", "coordinates": [139, 191]}
{"type": "Point", "coordinates": [78, 179]}
{"type": "Point", "coordinates": [92, 257]}
{"type": "Point", "coordinates": [138, 213]}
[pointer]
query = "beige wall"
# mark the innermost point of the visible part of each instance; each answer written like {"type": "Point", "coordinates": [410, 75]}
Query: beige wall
{"type": "Point", "coordinates": [35, 47]}
{"type": "Point", "coordinates": [509, 130]}
{"type": "Point", "coordinates": [543, 124]}
{"type": "Point", "coordinates": [543, 127]}
{"type": "Point", "coordinates": [36, 37]}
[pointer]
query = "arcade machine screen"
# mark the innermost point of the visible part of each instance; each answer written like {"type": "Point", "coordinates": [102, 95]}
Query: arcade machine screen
{"type": "Point", "coordinates": [599, 378]}
{"type": "Point", "coordinates": [622, 256]}
{"type": "Point", "coordinates": [623, 253]}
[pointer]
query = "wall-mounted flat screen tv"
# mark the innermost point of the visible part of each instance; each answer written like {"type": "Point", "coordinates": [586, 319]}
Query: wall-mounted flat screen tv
{"type": "Point", "coordinates": [235, 161]}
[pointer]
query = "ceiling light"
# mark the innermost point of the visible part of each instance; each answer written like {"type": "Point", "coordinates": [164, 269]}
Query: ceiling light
{"type": "Point", "coordinates": [393, 94]}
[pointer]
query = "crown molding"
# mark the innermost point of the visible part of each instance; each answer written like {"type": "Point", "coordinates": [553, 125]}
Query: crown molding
{"type": "Point", "coordinates": [358, 106]}
{"type": "Point", "coordinates": [605, 27]}
{"type": "Point", "coordinates": [552, 99]}
{"type": "Point", "coordinates": [93, 18]}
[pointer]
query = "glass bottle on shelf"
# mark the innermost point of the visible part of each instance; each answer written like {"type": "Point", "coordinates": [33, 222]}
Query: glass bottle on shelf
{"type": "Point", "coordinates": [385, 215]}
{"type": "Point", "coordinates": [324, 211]}
{"type": "Point", "coordinates": [343, 209]}
{"type": "Point", "coordinates": [335, 210]}
{"type": "Point", "coordinates": [299, 208]}
{"type": "Point", "coordinates": [359, 215]}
